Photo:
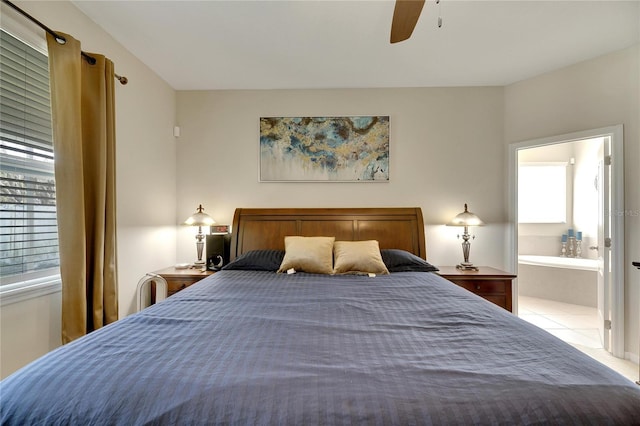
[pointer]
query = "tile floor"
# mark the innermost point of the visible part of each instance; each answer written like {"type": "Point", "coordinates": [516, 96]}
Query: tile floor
{"type": "Point", "coordinates": [576, 325]}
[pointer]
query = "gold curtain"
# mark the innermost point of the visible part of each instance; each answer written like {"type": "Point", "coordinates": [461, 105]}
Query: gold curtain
{"type": "Point", "coordinates": [83, 115]}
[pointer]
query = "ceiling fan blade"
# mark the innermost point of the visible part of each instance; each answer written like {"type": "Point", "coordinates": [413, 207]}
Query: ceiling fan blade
{"type": "Point", "coordinates": [405, 18]}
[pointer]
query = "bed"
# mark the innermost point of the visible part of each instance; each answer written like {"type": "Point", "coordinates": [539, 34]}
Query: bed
{"type": "Point", "coordinates": [251, 346]}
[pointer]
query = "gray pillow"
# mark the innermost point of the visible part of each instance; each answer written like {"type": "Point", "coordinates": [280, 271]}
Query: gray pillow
{"type": "Point", "coordinates": [257, 260]}
{"type": "Point", "coordinates": [402, 261]}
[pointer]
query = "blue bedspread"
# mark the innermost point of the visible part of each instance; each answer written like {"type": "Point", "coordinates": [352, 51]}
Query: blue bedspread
{"type": "Point", "coordinates": [263, 348]}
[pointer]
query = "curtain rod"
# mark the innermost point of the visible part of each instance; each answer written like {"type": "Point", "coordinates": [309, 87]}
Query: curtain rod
{"type": "Point", "coordinates": [60, 39]}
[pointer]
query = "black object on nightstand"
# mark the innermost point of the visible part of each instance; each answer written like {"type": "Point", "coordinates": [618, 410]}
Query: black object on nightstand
{"type": "Point", "coordinates": [218, 248]}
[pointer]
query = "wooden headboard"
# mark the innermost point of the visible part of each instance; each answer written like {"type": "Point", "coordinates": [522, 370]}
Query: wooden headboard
{"type": "Point", "coordinates": [262, 229]}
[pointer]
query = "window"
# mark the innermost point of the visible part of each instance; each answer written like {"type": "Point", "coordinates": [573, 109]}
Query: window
{"type": "Point", "coordinates": [28, 227]}
{"type": "Point", "coordinates": [542, 193]}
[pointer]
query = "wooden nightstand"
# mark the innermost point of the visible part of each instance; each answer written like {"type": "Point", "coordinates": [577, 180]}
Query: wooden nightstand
{"type": "Point", "coordinates": [179, 279]}
{"type": "Point", "coordinates": [489, 283]}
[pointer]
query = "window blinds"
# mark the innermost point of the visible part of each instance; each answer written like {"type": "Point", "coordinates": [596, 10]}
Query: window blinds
{"type": "Point", "coordinates": [28, 227]}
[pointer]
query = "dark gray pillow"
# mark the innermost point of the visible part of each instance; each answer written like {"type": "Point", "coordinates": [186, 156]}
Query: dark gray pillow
{"type": "Point", "coordinates": [402, 261]}
{"type": "Point", "coordinates": [257, 260]}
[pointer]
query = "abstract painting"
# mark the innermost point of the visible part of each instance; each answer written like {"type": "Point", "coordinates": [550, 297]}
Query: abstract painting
{"type": "Point", "coordinates": [324, 149]}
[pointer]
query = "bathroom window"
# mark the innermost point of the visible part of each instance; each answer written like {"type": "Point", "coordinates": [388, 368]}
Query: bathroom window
{"type": "Point", "coordinates": [542, 193]}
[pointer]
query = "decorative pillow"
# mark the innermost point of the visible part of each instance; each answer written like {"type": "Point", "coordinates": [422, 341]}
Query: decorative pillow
{"type": "Point", "coordinates": [353, 257]}
{"type": "Point", "coordinates": [308, 254]}
{"type": "Point", "coordinates": [403, 261]}
{"type": "Point", "coordinates": [257, 260]}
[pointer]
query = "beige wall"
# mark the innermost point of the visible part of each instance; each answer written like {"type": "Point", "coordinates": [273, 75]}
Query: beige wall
{"type": "Point", "coordinates": [146, 188]}
{"type": "Point", "coordinates": [28, 330]}
{"type": "Point", "coordinates": [445, 149]}
{"type": "Point", "coordinates": [598, 93]}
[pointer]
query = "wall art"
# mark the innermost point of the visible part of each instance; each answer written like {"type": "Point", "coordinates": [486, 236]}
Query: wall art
{"type": "Point", "coordinates": [324, 149]}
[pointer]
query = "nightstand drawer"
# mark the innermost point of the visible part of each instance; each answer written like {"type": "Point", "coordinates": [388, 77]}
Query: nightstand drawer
{"type": "Point", "coordinates": [498, 300]}
{"type": "Point", "coordinates": [179, 279]}
{"type": "Point", "coordinates": [174, 285]}
{"type": "Point", "coordinates": [491, 284]}
{"type": "Point", "coordinates": [482, 287]}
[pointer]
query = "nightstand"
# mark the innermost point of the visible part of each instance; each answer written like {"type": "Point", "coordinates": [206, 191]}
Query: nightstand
{"type": "Point", "coordinates": [179, 279]}
{"type": "Point", "coordinates": [489, 283]}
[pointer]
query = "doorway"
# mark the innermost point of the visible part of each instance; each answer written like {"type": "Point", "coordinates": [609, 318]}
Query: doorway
{"type": "Point", "coordinates": [605, 237]}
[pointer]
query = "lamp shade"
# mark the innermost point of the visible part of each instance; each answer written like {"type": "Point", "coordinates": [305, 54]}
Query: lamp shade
{"type": "Point", "coordinates": [466, 218]}
{"type": "Point", "coordinates": [199, 218]}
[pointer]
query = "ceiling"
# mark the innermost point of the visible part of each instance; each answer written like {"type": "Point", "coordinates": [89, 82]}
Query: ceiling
{"type": "Point", "coordinates": [266, 44]}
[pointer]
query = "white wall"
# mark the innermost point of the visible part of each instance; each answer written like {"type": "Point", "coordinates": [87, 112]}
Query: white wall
{"type": "Point", "coordinates": [598, 93]}
{"type": "Point", "coordinates": [548, 234]}
{"type": "Point", "coordinates": [585, 193]}
{"type": "Point", "coordinates": [582, 198]}
{"type": "Point", "coordinates": [446, 149]}
{"type": "Point", "coordinates": [146, 188]}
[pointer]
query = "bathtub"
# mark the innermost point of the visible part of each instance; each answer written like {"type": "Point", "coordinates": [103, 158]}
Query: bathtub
{"type": "Point", "coordinates": [559, 262]}
{"type": "Point", "coordinates": [563, 279]}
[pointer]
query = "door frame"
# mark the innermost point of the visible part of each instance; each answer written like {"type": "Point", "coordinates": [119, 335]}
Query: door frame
{"type": "Point", "coordinates": [617, 220]}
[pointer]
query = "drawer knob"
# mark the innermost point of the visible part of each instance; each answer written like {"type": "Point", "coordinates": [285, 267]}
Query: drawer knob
{"type": "Point", "coordinates": [478, 287]}
{"type": "Point", "coordinates": [183, 286]}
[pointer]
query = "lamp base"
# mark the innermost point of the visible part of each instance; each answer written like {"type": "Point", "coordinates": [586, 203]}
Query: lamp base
{"type": "Point", "coordinates": [467, 267]}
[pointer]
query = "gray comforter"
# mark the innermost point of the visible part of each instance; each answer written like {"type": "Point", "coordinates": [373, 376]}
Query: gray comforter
{"type": "Point", "coordinates": [261, 348]}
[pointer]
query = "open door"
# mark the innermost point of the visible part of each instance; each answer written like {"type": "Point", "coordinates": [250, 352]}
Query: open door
{"type": "Point", "coordinates": [603, 184]}
{"type": "Point", "coordinates": [610, 246]}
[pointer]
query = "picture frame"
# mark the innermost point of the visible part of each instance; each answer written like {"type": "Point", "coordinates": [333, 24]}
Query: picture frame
{"type": "Point", "coordinates": [324, 149]}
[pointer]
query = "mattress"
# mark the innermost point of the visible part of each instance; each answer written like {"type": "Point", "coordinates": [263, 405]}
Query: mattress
{"type": "Point", "coordinates": [252, 347]}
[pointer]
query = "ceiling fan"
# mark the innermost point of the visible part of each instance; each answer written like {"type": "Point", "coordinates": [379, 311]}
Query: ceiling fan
{"type": "Point", "coordinates": [405, 18]}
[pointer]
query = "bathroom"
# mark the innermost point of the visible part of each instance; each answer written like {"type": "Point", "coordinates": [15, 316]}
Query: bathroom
{"type": "Point", "coordinates": [558, 223]}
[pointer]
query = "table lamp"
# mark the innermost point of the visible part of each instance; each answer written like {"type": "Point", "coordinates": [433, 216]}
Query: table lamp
{"type": "Point", "coordinates": [199, 219]}
{"type": "Point", "coordinates": [466, 219]}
